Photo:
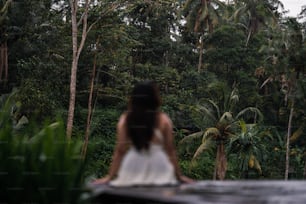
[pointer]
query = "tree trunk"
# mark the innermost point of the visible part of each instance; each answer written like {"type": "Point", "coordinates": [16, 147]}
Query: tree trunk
{"type": "Point", "coordinates": [3, 62]}
{"type": "Point", "coordinates": [74, 68]}
{"type": "Point", "coordinates": [221, 163]}
{"type": "Point", "coordinates": [200, 53]}
{"type": "Point", "coordinates": [288, 140]}
{"type": "Point", "coordinates": [216, 165]}
{"type": "Point", "coordinates": [76, 51]}
{"type": "Point", "coordinates": [304, 173]}
{"type": "Point", "coordinates": [89, 115]}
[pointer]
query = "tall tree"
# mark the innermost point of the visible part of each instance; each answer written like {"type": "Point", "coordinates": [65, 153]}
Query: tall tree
{"type": "Point", "coordinates": [291, 76]}
{"type": "Point", "coordinates": [256, 13]}
{"type": "Point", "coordinates": [284, 53]}
{"type": "Point", "coordinates": [153, 24]}
{"type": "Point", "coordinates": [77, 48]}
{"type": "Point", "coordinates": [202, 16]}
{"type": "Point", "coordinates": [4, 6]}
{"type": "Point", "coordinates": [224, 125]}
{"type": "Point", "coordinates": [89, 115]}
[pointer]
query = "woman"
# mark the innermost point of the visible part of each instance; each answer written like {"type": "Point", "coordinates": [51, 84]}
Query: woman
{"type": "Point", "coordinates": [144, 152]}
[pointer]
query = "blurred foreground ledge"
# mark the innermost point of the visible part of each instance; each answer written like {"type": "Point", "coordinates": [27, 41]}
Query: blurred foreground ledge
{"type": "Point", "coordinates": [225, 192]}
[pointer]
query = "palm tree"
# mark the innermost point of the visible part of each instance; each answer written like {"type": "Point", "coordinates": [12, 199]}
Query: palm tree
{"type": "Point", "coordinates": [287, 45]}
{"type": "Point", "coordinates": [248, 146]}
{"type": "Point", "coordinates": [202, 16]}
{"type": "Point", "coordinates": [224, 125]}
{"type": "Point", "coordinates": [256, 13]}
{"type": "Point", "coordinates": [289, 87]}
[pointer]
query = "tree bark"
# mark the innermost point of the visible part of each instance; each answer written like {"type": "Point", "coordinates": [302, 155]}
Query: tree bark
{"type": "Point", "coordinates": [5, 62]}
{"type": "Point", "coordinates": [304, 173]}
{"type": "Point", "coordinates": [89, 115]}
{"type": "Point", "coordinates": [74, 66]}
{"type": "Point", "coordinates": [1, 61]}
{"type": "Point", "coordinates": [288, 141]}
{"type": "Point", "coordinates": [200, 54]}
{"type": "Point", "coordinates": [221, 163]}
{"type": "Point", "coordinates": [76, 51]}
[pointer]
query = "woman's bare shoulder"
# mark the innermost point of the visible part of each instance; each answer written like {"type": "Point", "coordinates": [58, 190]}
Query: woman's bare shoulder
{"type": "Point", "coordinates": [164, 120]}
{"type": "Point", "coordinates": [122, 120]}
{"type": "Point", "coordinates": [121, 128]}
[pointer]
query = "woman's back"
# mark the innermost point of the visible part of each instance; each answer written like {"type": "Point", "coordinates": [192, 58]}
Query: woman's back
{"type": "Point", "coordinates": [149, 166]}
{"type": "Point", "coordinates": [144, 152]}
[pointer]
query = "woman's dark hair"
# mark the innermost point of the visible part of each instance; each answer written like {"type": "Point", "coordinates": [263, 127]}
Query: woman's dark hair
{"type": "Point", "coordinates": [142, 113]}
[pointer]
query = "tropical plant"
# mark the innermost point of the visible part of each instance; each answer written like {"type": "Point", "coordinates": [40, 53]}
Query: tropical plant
{"type": "Point", "coordinates": [249, 147]}
{"type": "Point", "coordinates": [292, 66]}
{"type": "Point", "coordinates": [224, 125]}
{"type": "Point", "coordinates": [256, 13]}
{"type": "Point", "coordinates": [202, 16]}
{"type": "Point", "coordinates": [39, 166]}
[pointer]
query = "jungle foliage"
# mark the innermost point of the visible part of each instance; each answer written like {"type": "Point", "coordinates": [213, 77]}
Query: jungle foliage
{"type": "Point", "coordinates": [214, 62]}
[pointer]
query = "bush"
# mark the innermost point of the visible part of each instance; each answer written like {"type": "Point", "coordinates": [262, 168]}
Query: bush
{"type": "Point", "coordinates": [101, 142]}
{"type": "Point", "coordinates": [41, 168]}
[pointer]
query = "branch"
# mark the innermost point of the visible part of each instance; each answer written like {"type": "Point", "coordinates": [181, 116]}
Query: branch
{"type": "Point", "coordinates": [81, 19]}
{"type": "Point", "coordinates": [114, 6]}
{"type": "Point", "coordinates": [84, 30]}
{"type": "Point", "coordinates": [87, 3]}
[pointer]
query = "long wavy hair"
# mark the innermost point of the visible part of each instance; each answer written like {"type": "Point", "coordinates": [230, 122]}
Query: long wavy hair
{"type": "Point", "coordinates": [142, 113]}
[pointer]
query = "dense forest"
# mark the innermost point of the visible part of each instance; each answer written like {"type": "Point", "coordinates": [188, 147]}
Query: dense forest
{"type": "Point", "coordinates": [231, 74]}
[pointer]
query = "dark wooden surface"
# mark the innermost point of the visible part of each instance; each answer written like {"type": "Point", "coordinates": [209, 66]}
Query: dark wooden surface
{"type": "Point", "coordinates": [207, 192]}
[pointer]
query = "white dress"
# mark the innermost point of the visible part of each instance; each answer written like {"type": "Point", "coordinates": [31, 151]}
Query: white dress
{"type": "Point", "coordinates": [146, 167]}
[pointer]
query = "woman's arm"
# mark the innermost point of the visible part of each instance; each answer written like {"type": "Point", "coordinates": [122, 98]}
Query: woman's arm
{"type": "Point", "coordinates": [122, 144]}
{"type": "Point", "coordinates": [167, 130]}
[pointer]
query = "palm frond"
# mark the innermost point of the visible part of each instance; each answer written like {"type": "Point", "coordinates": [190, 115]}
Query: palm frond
{"type": "Point", "coordinates": [210, 133]}
{"type": "Point", "coordinates": [212, 103]}
{"type": "Point", "coordinates": [44, 131]}
{"type": "Point", "coordinates": [233, 99]}
{"type": "Point", "coordinates": [203, 147]}
{"type": "Point", "coordinates": [4, 10]}
{"type": "Point", "coordinates": [207, 112]}
{"type": "Point", "coordinates": [226, 118]}
{"type": "Point", "coordinates": [297, 134]}
{"type": "Point", "coordinates": [248, 113]}
{"type": "Point", "coordinates": [257, 166]}
{"type": "Point", "coordinates": [238, 12]}
{"type": "Point", "coordinates": [269, 79]}
{"type": "Point", "coordinates": [191, 137]}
